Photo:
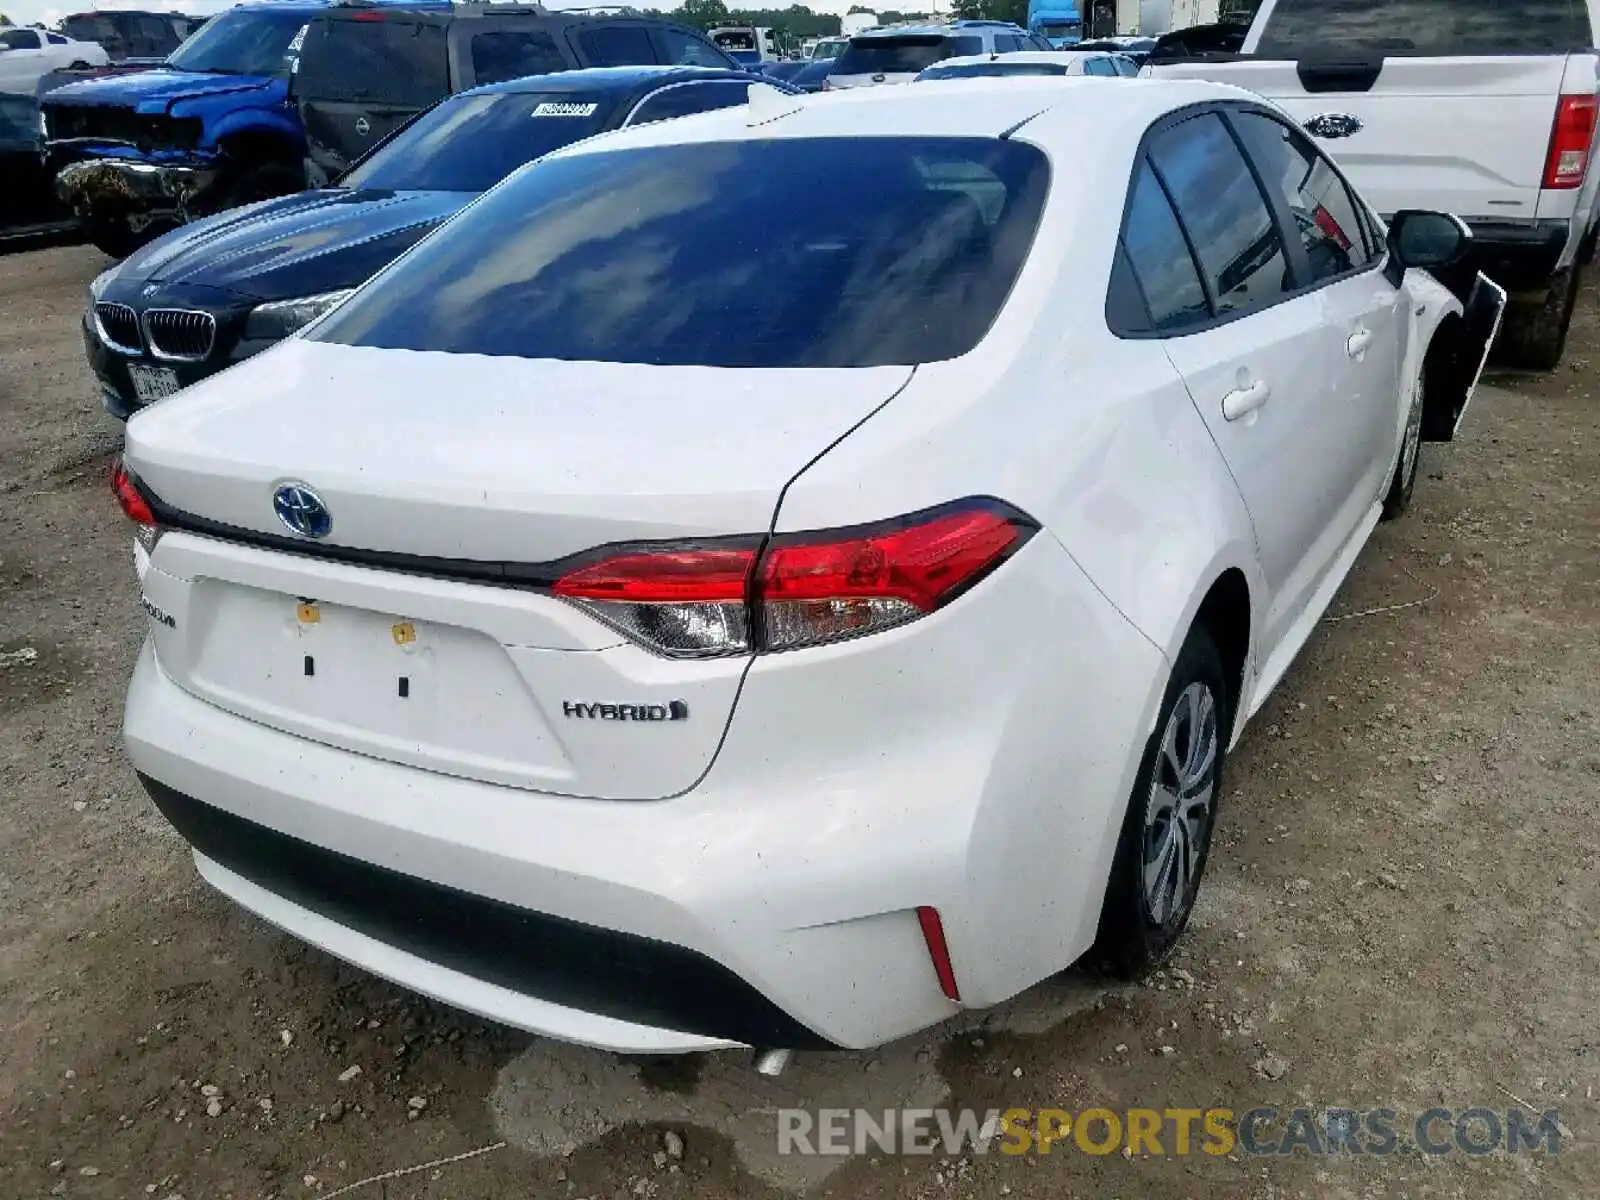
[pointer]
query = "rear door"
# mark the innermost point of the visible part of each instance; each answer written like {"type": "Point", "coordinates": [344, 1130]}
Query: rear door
{"type": "Point", "coordinates": [362, 74]}
{"type": "Point", "coordinates": [1260, 371]}
{"type": "Point", "coordinates": [1425, 103]}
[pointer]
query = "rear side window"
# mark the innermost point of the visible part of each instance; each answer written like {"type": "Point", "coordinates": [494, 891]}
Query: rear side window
{"type": "Point", "coordinates": [617, 46]}
{"type": "Point", "coordinates": [903, 55]}
{"type": "Point", "coordinates": [1158, 258]}
{"type": "Point", "coordinates": [374, 62]}
{"type": "Point", "coordinates": [19, 39]}
{"type": "Point", "coordinates": [1427, 27]}
{"type": "Point", "coordinates": [513, 53]}
{"type": "Point", "coordinates": [683, 49]}
{"type": "Point", "coordinates": [1224, 213]}
{"type": "Point", "coordinates": [723, 254]}
{"type": "Point", "coordinates": [1322, 208]}
{"type": "Point", "coordinates": [682, 99]}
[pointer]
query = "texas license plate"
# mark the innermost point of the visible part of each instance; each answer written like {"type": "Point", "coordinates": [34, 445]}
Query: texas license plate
{"type": "Point", "coordinates": [153, 383]}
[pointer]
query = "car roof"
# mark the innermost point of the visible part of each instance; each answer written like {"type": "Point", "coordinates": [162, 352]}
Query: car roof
{"type": "Point", "coordinates": [1073, 115]}
{"type": "Point", "coordinates": [906, 31]}
{"type": "Point", "coordinates": [1052, 58]}
{"type": "Point", "coordinates": [625, 79]}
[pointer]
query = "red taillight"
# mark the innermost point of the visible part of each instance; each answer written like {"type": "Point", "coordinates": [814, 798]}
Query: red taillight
{"type": "Point", "coordinates": [1568, 162]}
{"type": "Point", "coordinates": [805, 590]}
{"type": "Point", "coordinates": [938, 950]}
{"type": "Point", "coordinates": [819, 588]}
{"type": "Point", "coordinates": [367, 16]}
{"type": "Point", "coordinates": [133, 504]}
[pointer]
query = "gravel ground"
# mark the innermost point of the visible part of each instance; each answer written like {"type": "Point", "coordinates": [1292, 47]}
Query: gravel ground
{"type": "Point", "coordinates": [1401, 910]}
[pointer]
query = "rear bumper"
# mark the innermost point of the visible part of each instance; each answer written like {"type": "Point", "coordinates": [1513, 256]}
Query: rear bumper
{"type": "Point", "coordinates": [978, 761]}
{"type": "Point", "coordinates": [1519, 256]}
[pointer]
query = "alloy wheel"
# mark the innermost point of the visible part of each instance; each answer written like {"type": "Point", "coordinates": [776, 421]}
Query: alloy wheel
{"type": "Point", "coordinates": [1179, 811]}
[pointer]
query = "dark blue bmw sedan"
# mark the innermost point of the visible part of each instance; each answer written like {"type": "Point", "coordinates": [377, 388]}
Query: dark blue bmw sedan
{"type": "Point", "coordinates": [221, 289]}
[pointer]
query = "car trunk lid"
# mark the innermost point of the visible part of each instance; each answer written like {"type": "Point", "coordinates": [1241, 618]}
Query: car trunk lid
{"type": "Point", "coordinates": [421, 629]}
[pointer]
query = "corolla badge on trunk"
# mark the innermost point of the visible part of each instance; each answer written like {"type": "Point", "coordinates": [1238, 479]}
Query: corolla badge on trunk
{"type": "Point", "coordinates": [301, 511]}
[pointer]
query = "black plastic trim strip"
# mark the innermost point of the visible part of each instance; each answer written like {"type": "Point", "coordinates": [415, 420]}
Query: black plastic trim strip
{"type": "Point", "coordinates": [619, 975]}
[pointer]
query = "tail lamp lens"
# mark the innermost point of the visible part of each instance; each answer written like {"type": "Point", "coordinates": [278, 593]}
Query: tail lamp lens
{"type": "Point", "coordinates": [802, 589]}
{"type": "Point", "coordinates": [1568, 161]}
{"type": "Point", "coordinates": [134, 506]}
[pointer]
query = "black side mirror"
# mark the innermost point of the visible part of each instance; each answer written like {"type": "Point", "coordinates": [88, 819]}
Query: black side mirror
{"type": "Point", "coordinates": [1431, 240]}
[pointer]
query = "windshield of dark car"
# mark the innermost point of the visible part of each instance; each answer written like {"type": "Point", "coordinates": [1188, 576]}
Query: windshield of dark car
{"type": "Point", "coordinates": [903, 54]}
{"type": "Point", "coordinates": [1427, 27]}
{"type": "Point", "coordinates": [974, 70]}
{"type": "Point", "coordinates": [243, 41]}
{"type": "Point", "coordinates": [471, 143]}
{"type": "Point", "coordinates": [723, 254]}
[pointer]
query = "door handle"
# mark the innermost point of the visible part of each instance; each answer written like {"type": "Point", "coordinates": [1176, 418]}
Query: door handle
{"type": "Point", "coordinates": [1245, 400]}
{"type": "Point", "coordinates": [1358, 343]}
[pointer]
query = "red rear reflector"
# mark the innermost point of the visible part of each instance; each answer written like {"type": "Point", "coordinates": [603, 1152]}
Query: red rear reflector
{"type": "Point", "coordinates": [938, 951]}
{"type": "Point", "coordinates": [133, 504]}
{"type": "Point", "coordinates": [1568, 161]}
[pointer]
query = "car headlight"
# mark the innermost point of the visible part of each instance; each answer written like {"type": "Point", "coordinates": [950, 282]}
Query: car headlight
{"type": "Point", "coordinates": [280, 318]}
{"type": "Point", "coordinates": [97, 285]}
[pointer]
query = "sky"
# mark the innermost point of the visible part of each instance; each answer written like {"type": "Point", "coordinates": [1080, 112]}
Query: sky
{"type": "Point", "coordinates": [25, 12]}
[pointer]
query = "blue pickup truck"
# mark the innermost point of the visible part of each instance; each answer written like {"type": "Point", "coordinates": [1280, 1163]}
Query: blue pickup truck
{"type": "Point", "coordinates": [211, 128]}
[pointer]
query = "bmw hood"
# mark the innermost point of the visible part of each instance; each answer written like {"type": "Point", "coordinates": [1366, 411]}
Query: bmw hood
{"type": "Point", "coordinates": [300, 245]}
{"type": "Point", "coordinates": [154, 91]}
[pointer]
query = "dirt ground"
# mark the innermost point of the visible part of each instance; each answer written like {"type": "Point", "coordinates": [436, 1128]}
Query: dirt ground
{"type": "Point", "coordinates": [1401, 911]}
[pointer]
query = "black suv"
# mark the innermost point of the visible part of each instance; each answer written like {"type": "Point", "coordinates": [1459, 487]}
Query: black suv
{"type": "Point", "coordinates": [366, 70]}
{"type": "Point", "coordinates": [126, 35]}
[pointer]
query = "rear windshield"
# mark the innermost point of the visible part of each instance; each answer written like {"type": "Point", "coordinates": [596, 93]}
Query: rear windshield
{"type": "Point", "coordinates": [904, 55]}
{"type": "Point", "coordinates": [723, 254]}
{"type": "Point", "coordinates": [1427, 27]}
{"type": "Point", "coordinates": [471, 143]}
{"type": "Point", "coordinates": [378, 61]}
{"type": "Point", "coordinates": [242, 41]}
{"type": "Point", "coordinates": [828, 50]}
{"type": "Point", "coordinates": [974, 70]}
{"type": "Point", "coordinates": [735, 39]}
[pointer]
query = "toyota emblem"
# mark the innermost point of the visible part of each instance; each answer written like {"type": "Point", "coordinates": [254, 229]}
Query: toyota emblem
{"type": "Point", "coordinates": [301, 511]}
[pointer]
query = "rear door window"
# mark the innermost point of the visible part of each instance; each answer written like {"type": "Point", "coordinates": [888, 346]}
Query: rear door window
{"type": "Point", "coordinates": [374, 61]}
{"type": "Point", "coordinates": [1324, 212]}
{"type": "Point", "coordinates": [20, 39]}
{"type": "Point", "coordinates": [1427, 27]}
{"type": "Point", "coordinates": [668, 255]}
{"type": "Point", "coordinates": [901, 55]}
{"type": "Point", "coordinates": [681, 48]}
{"type": "Point", "coordinates": [617, 46]}
{"type": "Point", "coordinates": [514, 53]}
{"type": "Point", "coordinates": [1224, 213]}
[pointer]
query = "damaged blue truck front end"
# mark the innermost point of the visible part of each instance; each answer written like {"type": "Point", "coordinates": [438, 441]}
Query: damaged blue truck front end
{"type": "Point", "coordinates": [211, 128]}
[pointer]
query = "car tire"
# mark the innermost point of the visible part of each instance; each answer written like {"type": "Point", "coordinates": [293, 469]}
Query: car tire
{"type": "Point", "coordinates": [1403, 482]}
{"type": "Point", "coordinates": [80, 65]}
{"type": "Point", "coordinates": [1161, 855]}
{"type": "Point", "coordinates": [1534, 335]}
{"type": "Point", "coordinates": [265, 182]}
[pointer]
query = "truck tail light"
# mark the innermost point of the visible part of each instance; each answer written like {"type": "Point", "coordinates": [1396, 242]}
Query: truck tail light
{"type": "Point", "coordinates": [1568, 161]}
{"type": "Point", "coordinates": [738, 596]}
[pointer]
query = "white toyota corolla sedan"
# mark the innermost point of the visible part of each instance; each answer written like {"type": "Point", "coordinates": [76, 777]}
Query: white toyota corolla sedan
{"type": "Point", "coordinates": [784, 576]}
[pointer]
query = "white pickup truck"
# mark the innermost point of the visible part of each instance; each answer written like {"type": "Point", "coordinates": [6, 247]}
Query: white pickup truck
{"type": "Point", "coordinates": [1483, 108]}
